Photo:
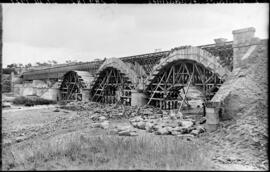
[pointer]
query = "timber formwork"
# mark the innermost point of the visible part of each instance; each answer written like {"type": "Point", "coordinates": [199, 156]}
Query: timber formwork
{"type": "Point", "coordinates": [73, 85]}
{"type": "Point", "coordinates": [113, 82]}
{"type": "Point", "coordinates": [112, 86]}
{"type": "Point", "coordinates": [168, 83]}
{"type": "Point", "coordinates": [170, 87]}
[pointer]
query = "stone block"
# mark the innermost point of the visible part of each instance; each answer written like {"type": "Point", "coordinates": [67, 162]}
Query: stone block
{"type": "Point", "coordinates": [220, 41]}
{"type": "Point", "coordinates": [243, 36]}
{"type": "Point", "coordinates": [85, 95]}
{"type": "Point", "coordinates": [211, 127]}
{"type": "Point", "coordinates": [212, 117]}
{"type": "Point", "coordinates": [137, 99]}
{"type": "Point", "coordinates": [242, 40]}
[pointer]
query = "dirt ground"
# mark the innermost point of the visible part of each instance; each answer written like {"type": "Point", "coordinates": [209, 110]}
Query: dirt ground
{"type": "Point", "coordinates": [31, 124]}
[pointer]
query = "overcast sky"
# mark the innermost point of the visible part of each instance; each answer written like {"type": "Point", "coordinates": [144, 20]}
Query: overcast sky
{"type": "Point", "coordinates": [41, 32]}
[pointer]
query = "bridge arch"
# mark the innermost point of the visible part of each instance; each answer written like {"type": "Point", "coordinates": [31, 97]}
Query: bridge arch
{"type": "Point", "coordinates": [113, 82]}
{"type": "Point", "coordinates": [168, 83]}
{"type": "Point", "coordinates": [75, 85]}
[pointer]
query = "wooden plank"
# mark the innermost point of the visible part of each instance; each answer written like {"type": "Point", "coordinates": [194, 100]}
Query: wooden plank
{"type": "Point", "coordinates": [104, 81]}
{"type": "Point", "coordinates": [210, 78]}
{"type": "Point", "coordinates": [155, 89]}
{"type": "Point", "coordinates": [185, 93]}
{"type": "Point", "coordinates": [173, 81]}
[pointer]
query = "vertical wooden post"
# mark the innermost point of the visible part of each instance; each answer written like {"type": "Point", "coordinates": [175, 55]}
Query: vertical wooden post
{"type": "Point", "coordinates": [185, 93]}
{"type": "Point", "coordinates": [173, 81]}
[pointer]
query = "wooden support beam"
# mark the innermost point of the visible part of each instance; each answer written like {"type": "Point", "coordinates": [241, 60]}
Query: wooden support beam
{"type": "Point", "coordinates": [179, 73]}
{"type": "Point", "coordinates": [173, 81]}
{"type": "Point", "coordinates": [106, 78]}
{"type": "Point", "coordinates": [186, 69]}
{"type": "Point", "coordinates": [193, 71]}
{"type": "Point", "coordinates": [99, 88]}
{"type": "Point", "coordinates": [210, 78]}
{"type": "Point", "coordinates": [185, 93]}
{"type": "Point", "coordinates": [156, 88]}
{"type": "Point", "coordinates": [204, 84]}
{"type": "Point", "coordinates": [200, 73]}
{"type": "Point", "coordinates": [183, 98]}
{"type": "Point", "coordinates": [167, 79]}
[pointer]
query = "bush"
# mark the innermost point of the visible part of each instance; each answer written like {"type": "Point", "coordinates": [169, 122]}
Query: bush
{"type": "Point", "coordinates": [20, 100]}
{"type": "Point", "coordinates": [32, 101]}
{"type": "Point", "coordinates": [29, 104]}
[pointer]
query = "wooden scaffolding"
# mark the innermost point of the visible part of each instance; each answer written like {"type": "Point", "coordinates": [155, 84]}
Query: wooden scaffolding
{"type": "Point", "coordinates": [112, 86]}
{"type": "Point", "coordinates": [170, 86]}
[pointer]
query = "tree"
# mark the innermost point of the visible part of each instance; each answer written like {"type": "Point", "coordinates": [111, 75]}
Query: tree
{"type": "Point", "coordinates": [13, 65]}
{"type": "Point", "coordinates": [70, 61]}
{"type": "Point", "coordinates": [28, 65]}
{"type": "Point", "coordinates": [54, 62]}
{"type": "Point", "coordinates": [43, 64]}
{"type": "Point", "coordinates": [9, 70]}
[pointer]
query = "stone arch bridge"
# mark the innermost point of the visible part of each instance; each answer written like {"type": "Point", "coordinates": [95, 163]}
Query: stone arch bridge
{"type": "Point", "coordinates": [152, 78]}
{"type": "Point", "coordinates": [161, 79]}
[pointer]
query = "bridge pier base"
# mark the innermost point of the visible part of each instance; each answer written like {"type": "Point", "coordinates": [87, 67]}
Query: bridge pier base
{"type": "Point", "coordinates": [37, 88]}
{"type": "Point", "coordinates": [137, 98]}
{"type": "Point", "coordinates": [213, 114]}
{"type": "Point", "coordinates": [85, 95]}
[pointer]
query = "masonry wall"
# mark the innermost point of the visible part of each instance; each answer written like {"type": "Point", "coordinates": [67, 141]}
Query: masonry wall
{"type": "Point", "coordinates": [137, 98]}
{"type": "Point", "coordinates": [247, 85]}
{"type": "Point", "coordinates": [244, 43]}
{"type": "Point", "coordinates": [6, 83]}
{"type": "Point", "coordinates": [85, 95]}
{"type": "Point", "coordinates": [39, 88]}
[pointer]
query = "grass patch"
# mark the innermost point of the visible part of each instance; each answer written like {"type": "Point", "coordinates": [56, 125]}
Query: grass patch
{"type": "Point", "coordinates": [114, 152]}
{"type": "Point", "coordinates": [32, 101]}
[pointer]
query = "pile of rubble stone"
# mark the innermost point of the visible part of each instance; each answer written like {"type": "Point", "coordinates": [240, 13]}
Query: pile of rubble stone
{"type": "Point", "coordinates": [152, 120]}
{"type": "Point", "coordinates": [161, 123]}
{"type": "Point", "coordinates": [168, 124]}
{"type": "Point", "coordinates": [109, 111]}
{"type": "Point", "coordinates": [80, 106]}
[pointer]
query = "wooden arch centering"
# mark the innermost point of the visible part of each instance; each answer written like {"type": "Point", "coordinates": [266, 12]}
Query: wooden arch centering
{"type": "Point", "coordinates": [113, 83]}
{"type": "Point", "coordinates": [73, 84]}
{"type": "Point", "coordinates": [182, 68]}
